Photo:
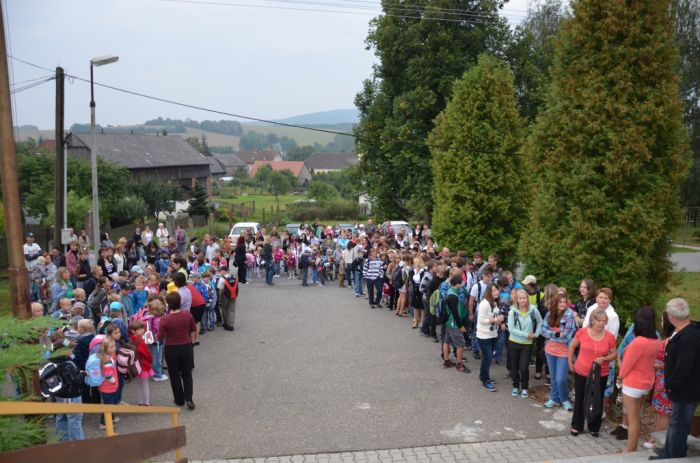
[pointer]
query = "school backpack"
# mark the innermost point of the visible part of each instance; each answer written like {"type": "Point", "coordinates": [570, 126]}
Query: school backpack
{"type": "Point", "coordinates": [62, 379]}
{"type": "Point", "coordinates": [127, 362]}
{"type": "Point", "coordinates": [426, 278]}
{"type": "Point", "coordinates": [397, 277]}
{"type": "Point", "coordinates": [230, 286]}
{"type": "Point", "coordinates": [146, 318]}
{"type": "Point", "coordinates": [93, 371]}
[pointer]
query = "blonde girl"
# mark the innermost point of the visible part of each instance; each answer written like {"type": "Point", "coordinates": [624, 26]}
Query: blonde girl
{"type": "Point", "coordinates": [109, 387]}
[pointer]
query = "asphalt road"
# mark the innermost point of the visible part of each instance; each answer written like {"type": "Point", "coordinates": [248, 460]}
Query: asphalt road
{"type": "Point", "coordinates": [315, 370]}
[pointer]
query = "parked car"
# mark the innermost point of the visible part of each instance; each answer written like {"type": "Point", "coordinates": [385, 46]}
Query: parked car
{"type": "Point", "coordinates": [242, 227]}
{"type": "Point", "coordinates": [293, 228]}
{"type": "Point", "coordinates": [398, 226]}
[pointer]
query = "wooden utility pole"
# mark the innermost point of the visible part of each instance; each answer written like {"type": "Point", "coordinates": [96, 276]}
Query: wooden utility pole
{"type": "Point", "coordinates": [60, 172]}
{"type": "Point", "coordinates": [19, 279]}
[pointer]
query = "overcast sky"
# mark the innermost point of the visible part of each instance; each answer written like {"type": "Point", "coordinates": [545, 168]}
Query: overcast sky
{"type": "Point", "coordinates": [263, 62]}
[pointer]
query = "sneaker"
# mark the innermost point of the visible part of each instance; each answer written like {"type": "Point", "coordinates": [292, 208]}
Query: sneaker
{"type": "Point", "coordinates": [448, 363]}
{"type": "Point", "coordinates": [115, 419]}
{"type": "Point", "coordinates": [102, 427]}
{"type": "Point", "coordinates": [162, 378]}
{"type": "Point", "coordinates": [123, 403]}
{"type": "Point", "coordinates": [547, 382]}
{"type": "Point", "coordinates": [551, 404]}
{"type": "Point", "coordinates": [524, 394]}
{"type": "Point", "coordinates": [649, 445]}
{"type": "Point", "coordinates": [617, 430]}
{"type": "Point", "coordinates": [514, 392]}
{"type": "Point", "coordinates": [489, 387]}
{"type": "Point", "coordinates": [567, 406]}
{"type": "Point", "coordinates": [477, 355]}
{"type": "Point", "coordinates": [622, 435]}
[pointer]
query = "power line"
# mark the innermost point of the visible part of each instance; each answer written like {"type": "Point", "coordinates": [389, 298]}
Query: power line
{"type": "Point", "coordinates": [267, 121]}
{"type": "Point", "coordinates": [422, 15]}
{"type": "Point", "coordinates": [31, 85]}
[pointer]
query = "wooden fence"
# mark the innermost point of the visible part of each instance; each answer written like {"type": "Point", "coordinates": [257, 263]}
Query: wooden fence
{"type": "Point", "coordinates": [135, 447]}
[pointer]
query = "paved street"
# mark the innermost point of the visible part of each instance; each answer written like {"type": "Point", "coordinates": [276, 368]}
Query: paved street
{"type": "Point", "coordinates": [686, 261]}
{"type": "Point", "coordinates": [314, 370]}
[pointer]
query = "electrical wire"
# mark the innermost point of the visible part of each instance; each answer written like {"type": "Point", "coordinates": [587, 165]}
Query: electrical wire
{"type": "Point", "coordinates": [30, 80]}
{"type": "Point", "coordinates": [267, 121]}
{"type": "Point", "coordinates": [422, 15]}
{"type": "Point", "coordinates": [32, 85]}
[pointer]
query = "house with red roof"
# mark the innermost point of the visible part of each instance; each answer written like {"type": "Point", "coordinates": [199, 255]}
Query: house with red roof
{"type": "Point", "coordinates": [298, 168]}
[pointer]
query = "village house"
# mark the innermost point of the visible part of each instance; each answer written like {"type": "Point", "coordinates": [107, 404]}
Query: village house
{"type": "Point", "coordinates": [158, 157]}
{"type": "Point", "coordinates": [250, 156]}
{"type": "Point", "coordinates": [231, 164]}
{"type": "Point", "coordinates": [319, 163]}
{"type": "Point", "coordinates": [298, 168]}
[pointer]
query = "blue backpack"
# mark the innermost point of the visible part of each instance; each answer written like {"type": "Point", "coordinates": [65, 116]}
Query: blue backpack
{"type": "Point", "coordinates": [93, 369]}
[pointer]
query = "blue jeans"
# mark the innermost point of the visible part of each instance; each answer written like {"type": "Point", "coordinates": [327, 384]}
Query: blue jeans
{"type": "Point", "coordinates": [109, 399]}
{"type": "Point", "coordinates": [678, 429]}
{"type": "Point", "coordinates": [305, 276]}
{"type": "Point", "coordinates": [69, 426]}
{"type": "Point", "coordinates": [314, 274]}
{"type": "Point", "coordinates": [500, 343]}
{"type": "Point", "coordinates": [558, 372]}
{"type": "Point", "coordinates": [487, 346]}
{"type": "Point", "coordinates": [475, 341]}
{"type": "Point", "coordinates": [358, 283]}
{"type": "Point", "coordinates": [209, 321]}
{"type": "Point", "coordinates": [348, 275]}
{"type": "Point", "coordinates": [156, 363]}
{"type": "Point", "coordinates": [269, 273]}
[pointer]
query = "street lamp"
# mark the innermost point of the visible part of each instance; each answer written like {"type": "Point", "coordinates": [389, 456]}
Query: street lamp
{"type": "Point", "coordinates": [99, 61]}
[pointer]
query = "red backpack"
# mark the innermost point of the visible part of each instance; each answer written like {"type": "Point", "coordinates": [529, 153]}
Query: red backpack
{"type": "Point", "coordinates": [230, 286]}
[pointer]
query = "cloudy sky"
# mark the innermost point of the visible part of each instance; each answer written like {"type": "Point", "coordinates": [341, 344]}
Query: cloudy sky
{"type": "Point", "coordinates": [260, 58]}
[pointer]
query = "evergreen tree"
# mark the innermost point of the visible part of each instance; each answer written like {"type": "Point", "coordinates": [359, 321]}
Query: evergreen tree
{"type": "Point", "coordinates": [199, 203]}
{"type": "Point", "coordinates": [609, 154]}
{"type": "Point", "coordinates": [477, 174]}
{"type": "Point", "coordinates": [420, 56]}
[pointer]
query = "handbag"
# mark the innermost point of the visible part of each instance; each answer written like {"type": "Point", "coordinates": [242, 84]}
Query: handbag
{"type": "Point", "coordinates": [592, 399]}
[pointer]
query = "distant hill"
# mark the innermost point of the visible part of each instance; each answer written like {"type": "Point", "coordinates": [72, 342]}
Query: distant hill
{"type": "Point", "coordinates": [337, 116]}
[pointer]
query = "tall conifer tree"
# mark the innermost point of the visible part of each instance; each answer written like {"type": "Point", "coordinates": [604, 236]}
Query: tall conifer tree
{"type": "Point", "coordinates": [477, 173]}
{"type": "Point", "coordinates": [609, 154]}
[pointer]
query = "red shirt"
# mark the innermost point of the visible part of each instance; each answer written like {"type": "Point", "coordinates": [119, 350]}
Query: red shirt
{"type": "Point", "coordinates": [175, 328]}
{"type": "Point", "coordinates": [143, 353]}
{"type": "Point", "coordinates": [197, 298]}
{"type": "Point", "coordinates": [591, 349]}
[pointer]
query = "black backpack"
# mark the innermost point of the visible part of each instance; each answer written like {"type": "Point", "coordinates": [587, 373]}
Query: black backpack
{"type": "Point", "coordinates": [397, 278]}
{"type": "Point", "coordinates": [62, 379]}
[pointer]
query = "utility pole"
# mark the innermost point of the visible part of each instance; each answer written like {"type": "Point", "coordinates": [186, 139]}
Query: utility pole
{"type": "Point", "coordinates": [60, 172]}
{"type": "Point", "coordinates": [19, 279]}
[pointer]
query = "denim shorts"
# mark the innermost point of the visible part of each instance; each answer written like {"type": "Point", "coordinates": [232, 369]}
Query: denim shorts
{"type": "Point", "coordinates": [454, 337]}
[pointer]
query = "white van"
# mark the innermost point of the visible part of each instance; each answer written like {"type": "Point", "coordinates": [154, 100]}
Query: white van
{"type": "Point", "coordinates": [241, 227]}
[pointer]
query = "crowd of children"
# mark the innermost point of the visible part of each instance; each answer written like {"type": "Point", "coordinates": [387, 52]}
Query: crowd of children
{"type": "Point", "coordinates": [476, 305]}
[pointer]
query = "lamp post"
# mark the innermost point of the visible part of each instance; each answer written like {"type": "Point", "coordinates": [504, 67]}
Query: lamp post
{"type": "Point", "coordinates": [99, 61]}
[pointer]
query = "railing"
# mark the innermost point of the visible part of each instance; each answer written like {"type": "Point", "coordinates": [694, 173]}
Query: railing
{"type": "Point", "coordinates": [132, 447]}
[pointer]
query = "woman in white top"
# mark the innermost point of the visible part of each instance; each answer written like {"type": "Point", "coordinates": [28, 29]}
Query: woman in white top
{"type": "Point", "coordinates": [488, 320]}
{"type": "Point", "coordinates": [162, 235]}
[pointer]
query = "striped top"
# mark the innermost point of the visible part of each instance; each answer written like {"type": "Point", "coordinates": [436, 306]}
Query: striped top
{"type": "Point", "coordinates": [373, 269]}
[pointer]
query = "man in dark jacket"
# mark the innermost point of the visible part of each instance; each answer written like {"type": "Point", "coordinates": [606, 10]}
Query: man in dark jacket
{"type": "Point", "coordinates": [682, 375]}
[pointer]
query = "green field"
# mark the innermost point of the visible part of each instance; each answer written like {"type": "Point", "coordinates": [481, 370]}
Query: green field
{"type": "Point", "coordinates": [301, 136]}
{"type": "Point", "coordinates": [262, 201]}
{"type": "Point", "coordinates": [687, 287]}
{"type": "Point", "coordinates": [687, 235]}
{"type": "Point", "coordinates": [681, 250]}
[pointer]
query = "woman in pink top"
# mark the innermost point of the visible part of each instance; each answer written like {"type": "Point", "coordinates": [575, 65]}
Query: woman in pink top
{"type": "Point", "coordinates": [637, 371]}
{"type": "Point", "coordinates": [558, 329]}
{"type": "Point", "coordinates": [597, 345]}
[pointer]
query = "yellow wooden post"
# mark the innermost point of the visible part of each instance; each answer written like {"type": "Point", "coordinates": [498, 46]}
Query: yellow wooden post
{"type": "Point", "coordinates": [178, 451]}
{"type": "Point", "coordinates": [109, 424]}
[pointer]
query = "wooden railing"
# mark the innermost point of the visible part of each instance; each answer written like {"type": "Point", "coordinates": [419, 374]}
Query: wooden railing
{"type": "Point", "coordinates": [128, 447]}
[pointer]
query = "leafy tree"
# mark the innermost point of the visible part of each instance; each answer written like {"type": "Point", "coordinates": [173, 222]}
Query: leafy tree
{"type": "Point", "coordinates": [346, 181]}
{"type": "Point", "coordinates": [126, 210]}
{"type": "Point", "coordinates": [199, 203]}
{"type": "Point", "coordinates": [321, 191]}
{"type": "Point", "coordinates": [531, 54]}
{"type": "Point", "coordinates": [609, 154]}
{"type": "Point", "coordinates": [419, 59]}
{"type": "Point", "coordinates": [21, 356]}
{"type": "Point", "coordinates": [205, 147]}
{"type": "Point", "coordinates": [262, 175]}
{"type": "Point", "coordinates": [159, 196]}
{"type": "Point", "coordinates": [687, 14]}
{"type": "Point", "coordinates": [301, 153]}
{"type": "Point", "coordinates": [78, 209]}
{"type": "Point", "coordinates": [2, 219]}
{"type": "Point", "coordinates": [279, 184]}
{"type": "Point", "coordinates": [477, 193]}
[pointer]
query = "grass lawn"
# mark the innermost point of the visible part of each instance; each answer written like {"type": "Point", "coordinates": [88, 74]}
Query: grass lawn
{"type": "Point", "coordinates": [262, 201]}
{"type": "Point", "coordinates": [687, 287]}
{"type": "Point", "coordinates": [680, 250]}
{"type": "Point", "coordinates": [5, 308]}
{"type": "Point", "coordinates": [687, 236]}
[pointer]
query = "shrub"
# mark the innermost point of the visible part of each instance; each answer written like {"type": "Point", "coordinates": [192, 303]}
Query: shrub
{"type": "Point", "coordinates": [335, 209]}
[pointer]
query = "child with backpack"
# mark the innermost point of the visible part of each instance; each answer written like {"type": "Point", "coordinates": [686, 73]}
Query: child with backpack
{"type": "Point", "coordinates": [209, 320]}
{"type": "Point", "coordinates": [228, 293]}
{"type": "Point", "coordinates": [108, 368]}
{"type": "Point", "coordinates": [61, 379]}
{"type": "Point", "coordinates": [524, 325]}
{"type": "Point", "coordinates": [155, 311]}
{"type": "Point", "coordinates": [143, 355]}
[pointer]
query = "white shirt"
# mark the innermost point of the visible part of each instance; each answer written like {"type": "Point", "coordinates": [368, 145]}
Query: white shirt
{"type": "Point", "coordinates": [147, 237]}
{"type": "Point", "coordinates": [483, 327]}
{"type": "Point", "coordinates": [162, 233]}
{"type": "Point", "coordinates": [211, 249]}
{"type": "Point", "coordinates": [613, 325]}
{"type": "Point", "coordinates": [33, 248]}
